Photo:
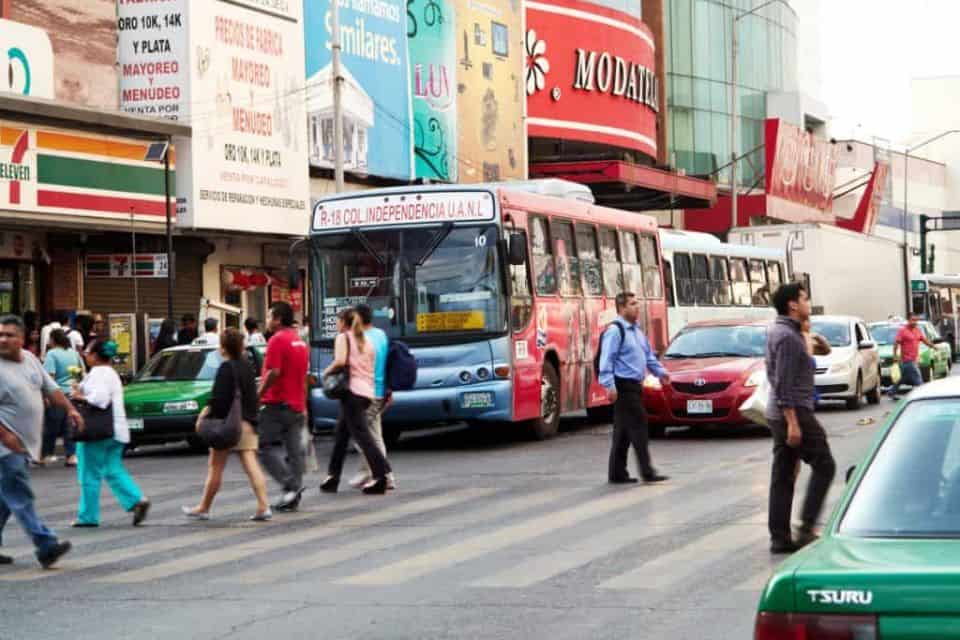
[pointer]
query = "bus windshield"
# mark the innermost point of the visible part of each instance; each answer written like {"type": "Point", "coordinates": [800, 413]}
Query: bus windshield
{"type": "Point", "coordinates": [423, 282]}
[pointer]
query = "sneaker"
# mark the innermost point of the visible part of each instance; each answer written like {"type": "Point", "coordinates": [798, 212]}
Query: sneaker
{"type": "Point", "coordinates": [290, 501]}
{"type": "Point", "coordinates": [48, 460]}
{"type": "Point", "coordinates": [50, 558]}
{"type": "Point", "coordinates": [804, 536]}
{"type": "Point", "coordinates": [140, 511]}
{"type": "Point", "coordinates": [5, 559]}
{"type": "Point", "coordinates": [359, 480]}
{"type": "Point", "coordinates": [780, 547]}
{"type": "Point", "coordinates": [266, 516]}
{"type": "Point", "coordinates": [391, 482]}
{"type": "Point", "coordinates": [70, 462]}
{"type": "Point", "coordinates": [190, 514]}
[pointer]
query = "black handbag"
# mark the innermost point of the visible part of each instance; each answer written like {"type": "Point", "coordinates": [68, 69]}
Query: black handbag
{"type": "Point", "coordinates": [221, 434]}
{"type": "Point", "coordinates": [336, 384]}
{"type": "Point", "coordinates": [98, 423]}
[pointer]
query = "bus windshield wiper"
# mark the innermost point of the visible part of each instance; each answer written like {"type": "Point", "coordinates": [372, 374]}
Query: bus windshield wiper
{"type": "Point", "coordinates": [365, 242]}
{"type": "Point", "coordinates": [435, 241]}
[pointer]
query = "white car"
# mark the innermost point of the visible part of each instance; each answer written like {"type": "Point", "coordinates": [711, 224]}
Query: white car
{"type": "Point", "coordinates": [852, 370]}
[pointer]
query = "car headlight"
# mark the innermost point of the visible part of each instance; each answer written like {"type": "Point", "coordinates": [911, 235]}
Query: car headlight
{"type": "Point", "coordinates": [653, 383]}
{"type": "Point", "coordinates": [756, 378]}
{"type": "Point", "coordinates": [840, 367]}
{"type": "Point", "coordinates": [180, 407]}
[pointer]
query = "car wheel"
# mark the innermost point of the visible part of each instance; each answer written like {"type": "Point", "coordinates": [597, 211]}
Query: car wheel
{"type": "Point", "coordinates": [873, 397]}
{"type": "Point", "coordinates": [926, 373]}
{"type": "Point", "coordinates": [547, 425]}
{"type": "Point", "coordinates": [854, 403]}
{"type": "Point", "coordinates": [600, 415]}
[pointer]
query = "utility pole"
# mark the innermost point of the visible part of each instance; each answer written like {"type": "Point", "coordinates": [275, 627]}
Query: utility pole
{"type": "Point", "coordinates": [169, 230]}
{"type": "Point", "coordinates": [337, 102]}
{"type": "Point", "coordinates": [133, 263]}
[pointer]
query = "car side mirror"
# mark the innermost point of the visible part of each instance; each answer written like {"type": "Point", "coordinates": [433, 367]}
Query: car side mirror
{"type": "Point", "coordinates": [517, 249]}
{"type": "Point", "coordinates": [867, 344]}
{"type": "Point", "coordinates": [850, 471]}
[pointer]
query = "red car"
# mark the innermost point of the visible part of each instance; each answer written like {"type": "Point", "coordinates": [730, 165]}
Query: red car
{"type": "Point", "coordinates": [714, 367]}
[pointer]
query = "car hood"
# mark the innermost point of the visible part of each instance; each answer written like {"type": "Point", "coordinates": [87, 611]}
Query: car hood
{"type": "Point", "coordinates": [165, 391]}
{"type": "Point", "coordinates": [840, 574]}
{"type": "Point", "coordinates": [726, 368]}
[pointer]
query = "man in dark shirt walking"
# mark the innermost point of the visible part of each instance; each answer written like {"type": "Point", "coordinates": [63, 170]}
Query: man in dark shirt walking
{"type": "Point", "coordinates": [797, 435]}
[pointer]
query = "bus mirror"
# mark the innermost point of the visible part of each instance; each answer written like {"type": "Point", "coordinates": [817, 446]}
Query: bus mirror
{"type": "Point", "coordinates": [517, 249]}
{"type": "Point", "coordinates": [293, 273]}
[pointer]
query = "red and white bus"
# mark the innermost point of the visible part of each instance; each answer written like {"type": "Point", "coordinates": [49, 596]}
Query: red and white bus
{"type": "Point", "coordinates": [500, 290]}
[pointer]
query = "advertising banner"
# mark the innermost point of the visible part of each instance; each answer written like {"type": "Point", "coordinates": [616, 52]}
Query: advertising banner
{"type": "Point", "coordinates": [28, 67]}
{"type": "Point", "coordinates": [248, 152]}
{"type": "Point", "coordinates": [590, 75]}
{"type": "Point", "coordinates": [376, 89]}
{"type": "Point", "coordinates": [152, 46]}
{"type": "Point", "coordinates": [490, 59]}
{"type": "Point", "coordinates": [46, 170]}
{"type": "Point", "coordinates": [800, 169]}
{"type": "Point", "coordinates": [431, 29]}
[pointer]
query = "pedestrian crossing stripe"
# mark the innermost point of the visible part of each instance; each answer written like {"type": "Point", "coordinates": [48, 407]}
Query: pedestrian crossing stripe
{"type": "Point", "coordinates": [266, 544]}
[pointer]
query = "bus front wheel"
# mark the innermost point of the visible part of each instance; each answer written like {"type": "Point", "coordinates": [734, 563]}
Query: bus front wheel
{"type": "Point", "coordinates": [547, 425]}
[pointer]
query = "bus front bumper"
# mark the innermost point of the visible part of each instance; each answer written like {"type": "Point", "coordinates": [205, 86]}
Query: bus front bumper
{"type": "Point", "coordinates": [487, 401]}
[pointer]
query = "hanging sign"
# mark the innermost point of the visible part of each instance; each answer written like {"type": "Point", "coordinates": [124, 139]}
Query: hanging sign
{"type": "Point", "coordinates": [121, 265]}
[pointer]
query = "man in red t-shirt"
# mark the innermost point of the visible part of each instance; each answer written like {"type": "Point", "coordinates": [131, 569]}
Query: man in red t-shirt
{"type": "Point", "coordinates": [283, 396]}
{"type": "Point", "coordinates": [906, 348]}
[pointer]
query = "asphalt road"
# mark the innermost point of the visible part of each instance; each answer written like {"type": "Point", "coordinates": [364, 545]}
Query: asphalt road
{"type": "Point", "coordinates": [488, 536]}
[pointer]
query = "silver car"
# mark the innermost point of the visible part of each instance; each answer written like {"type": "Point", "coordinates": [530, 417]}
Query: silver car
{"type": "Point", "coordinates": [852, 370]}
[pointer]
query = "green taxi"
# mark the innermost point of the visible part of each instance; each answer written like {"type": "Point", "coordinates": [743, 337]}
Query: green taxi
{"type": "Point", "coordinates": [933, 363]}
{"type": "Point", "coordinates": [165, 398]}
{"type": "Point", "coordinates": [888, 563]}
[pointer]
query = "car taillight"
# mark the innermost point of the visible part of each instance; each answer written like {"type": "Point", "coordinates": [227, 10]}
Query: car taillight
{"type": "Point", "coordinates": [812, 626]}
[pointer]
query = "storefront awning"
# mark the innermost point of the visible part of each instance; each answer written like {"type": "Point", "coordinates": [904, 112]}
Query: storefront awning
{"type": "Point", "coordinates": [632, 187]}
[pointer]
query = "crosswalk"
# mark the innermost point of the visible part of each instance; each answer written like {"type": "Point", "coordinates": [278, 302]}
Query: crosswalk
{"type": "Point", "coordinates": [635, 538]}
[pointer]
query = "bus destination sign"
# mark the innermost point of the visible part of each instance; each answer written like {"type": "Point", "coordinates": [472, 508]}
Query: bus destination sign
{"type": "Point", "coordinates": [420, 208]}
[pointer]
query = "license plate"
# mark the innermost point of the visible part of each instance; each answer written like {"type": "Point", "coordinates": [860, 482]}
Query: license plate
{"type": "Point", "coordinates": [476, 400]}
{"type": "Point", "coordinates": [699, 406]}
{"type": "Point", "coordinates": [885, 372]}
{"type": "Point", "coordinates": [135, 424]}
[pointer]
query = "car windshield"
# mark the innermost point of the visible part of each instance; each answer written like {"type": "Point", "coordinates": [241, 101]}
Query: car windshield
{"type": "Point", "coordinates": [884, 333]}
{"type": "Point", "coordinates": [420, 282]}
{"type": "Point", "coordinates": [717, 342]}
{"type": "Point", "coordinates": [837, 334]}
{"type": "Point", "coordinates": [912, 486]}
{"type": "Point", "coordinates": [181, 364]}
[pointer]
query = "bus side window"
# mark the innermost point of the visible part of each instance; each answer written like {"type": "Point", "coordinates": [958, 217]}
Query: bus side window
{"type": "Point", "coordinates": [649, 260]}
{"type": "Point", "coordinates": [759, 286]}
{"type": "Point", "coordinates": [544, 270]}
{"type": "Point", "coordinates": [685, 287]}
{"type": "Point", "coordinates": [774, 275]}
{"type": "Point", "coordinates": [521, 303]}
{"type": "Point", "coordinates": [668, 278]}
{"type": "Point", "coordinates": [720, 281]}
{"type": "Point", "coordinates": [741, 282]}
{"type": "Point", "coordinates": [568, 265]}
{"type": "Point", "coordinates": [589, 260]}
{"type": "Point", "coordinates": [701, 280]}
{"type": "Point", "coordinates": [632, 271]}
{"type": "Point", "coordinates": [610, 254]}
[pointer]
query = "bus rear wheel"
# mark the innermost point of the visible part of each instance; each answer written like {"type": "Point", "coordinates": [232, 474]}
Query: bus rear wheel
{"type": "Point", "coordinates": [547, 425]}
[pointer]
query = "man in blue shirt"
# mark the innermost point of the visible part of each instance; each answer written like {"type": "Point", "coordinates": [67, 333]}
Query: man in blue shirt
{"type": "Point", "coordinates": [623, 367]}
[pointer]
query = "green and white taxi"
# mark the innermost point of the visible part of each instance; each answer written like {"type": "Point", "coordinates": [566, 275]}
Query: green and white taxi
{"type": "Point", "coordinates": [888, 563]}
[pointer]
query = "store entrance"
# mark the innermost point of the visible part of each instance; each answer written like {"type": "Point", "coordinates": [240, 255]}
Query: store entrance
{"type": "Point", "coordinates": [17, 292]}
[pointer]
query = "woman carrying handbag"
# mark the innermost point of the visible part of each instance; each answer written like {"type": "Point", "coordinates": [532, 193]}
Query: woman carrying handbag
{"type": "Point", "coordinates": [102, 458]}
{"type": "Point", "coordinates": [349, 378]}
{"type": "Point", "coordinates": [235, 374]}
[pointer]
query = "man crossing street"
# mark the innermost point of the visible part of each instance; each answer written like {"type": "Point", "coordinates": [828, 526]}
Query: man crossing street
{"type": "Point", "coordinates": [906, 349]}
{"type": "Point", "coordinates": [625, 357]}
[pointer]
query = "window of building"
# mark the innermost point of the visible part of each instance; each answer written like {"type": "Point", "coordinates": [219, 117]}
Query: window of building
{"type": "Point", "coordinates": [589, 260]}
{"type": "Point", "coordinates": [544, 270]}
{"type": "Point", "coordinates": [565, 252]}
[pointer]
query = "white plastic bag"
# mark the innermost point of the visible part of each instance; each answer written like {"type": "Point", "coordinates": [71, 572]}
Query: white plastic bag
{"type": "Point", "coordinates": [754, 408]}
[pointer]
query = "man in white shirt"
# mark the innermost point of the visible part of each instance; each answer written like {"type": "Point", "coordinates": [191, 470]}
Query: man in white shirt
{"type": "Point", "coordinates": [210, 334]}
{"type": "Point", "coordinates": [254, 337]}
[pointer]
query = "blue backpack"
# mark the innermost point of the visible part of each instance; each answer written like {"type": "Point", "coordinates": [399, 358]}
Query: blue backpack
{"type": "Point", "coordinates": [401, 367]}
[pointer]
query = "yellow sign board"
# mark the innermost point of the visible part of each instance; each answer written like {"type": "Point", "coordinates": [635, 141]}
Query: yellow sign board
{"type": "Point", "coordinates": [450, 321]}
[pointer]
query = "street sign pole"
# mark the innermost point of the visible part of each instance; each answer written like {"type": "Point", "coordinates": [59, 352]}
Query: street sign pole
{"type": "Point", "coordinates": [923, 242]}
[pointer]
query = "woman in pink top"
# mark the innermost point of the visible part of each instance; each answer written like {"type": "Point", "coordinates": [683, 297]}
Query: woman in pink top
{"type": "Point", "coordinates": [352, 352]}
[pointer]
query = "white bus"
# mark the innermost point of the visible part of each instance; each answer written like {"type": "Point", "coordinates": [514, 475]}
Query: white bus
{"type": "Point", "coordinates": [936, 297]}
{"type": "Point", "coordinates": [707, 279]}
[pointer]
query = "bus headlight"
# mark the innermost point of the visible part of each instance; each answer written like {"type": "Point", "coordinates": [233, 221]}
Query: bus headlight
{"type": "Point", "coordinates": [755, 378]}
